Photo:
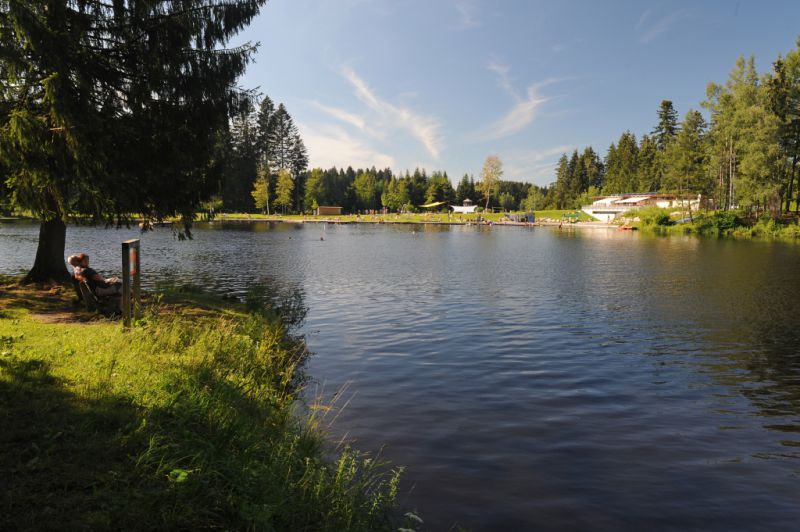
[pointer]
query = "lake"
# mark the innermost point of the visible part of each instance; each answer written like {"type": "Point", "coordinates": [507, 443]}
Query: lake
{"type": "Point", "coordinates": [529, 378]}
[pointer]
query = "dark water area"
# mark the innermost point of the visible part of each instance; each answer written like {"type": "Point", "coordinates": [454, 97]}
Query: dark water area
{"type": "Point", "coordinates": [531, 379]}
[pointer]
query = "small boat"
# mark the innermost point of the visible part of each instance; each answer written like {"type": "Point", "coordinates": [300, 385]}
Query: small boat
{"type": "Point", "coordinates": [628, 228]}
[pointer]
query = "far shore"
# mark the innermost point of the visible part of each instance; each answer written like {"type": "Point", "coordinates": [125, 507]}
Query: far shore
{"type": "Point", "coordinates": [493, 219]}
{"type": "Point", "coordinates": [387, 220]}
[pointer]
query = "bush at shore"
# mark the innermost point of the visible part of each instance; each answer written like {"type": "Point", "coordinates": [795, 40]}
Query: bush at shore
{"type": "Point", "coordinates": [714, 223]}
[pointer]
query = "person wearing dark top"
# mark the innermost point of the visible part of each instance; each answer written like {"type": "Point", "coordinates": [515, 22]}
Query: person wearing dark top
{"type": "Point", "coordinates": [99, 284]}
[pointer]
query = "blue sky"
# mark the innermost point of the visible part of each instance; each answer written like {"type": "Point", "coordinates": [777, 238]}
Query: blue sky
{"type": "Point", "coordinates": [441, 84]}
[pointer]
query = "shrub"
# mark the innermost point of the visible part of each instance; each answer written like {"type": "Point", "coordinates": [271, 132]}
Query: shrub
{"type": "Point", "coordinates": [654, 216]}
{"type": "Point", "coordinates": [725, 220]}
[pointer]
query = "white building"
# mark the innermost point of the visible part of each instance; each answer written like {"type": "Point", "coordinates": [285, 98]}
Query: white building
{"type": "Point", "coordinates": [467, 208]}
{"type": "Point", "coordinates": [606, 208]}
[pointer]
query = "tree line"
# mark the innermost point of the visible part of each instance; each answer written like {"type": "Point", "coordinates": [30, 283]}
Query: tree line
{"type": "Point", "coordinates": [263, 160]}
{"type": "Point", "coordinates": [369, 189]}
{"type": "Point", "coordinates": [745, 156]}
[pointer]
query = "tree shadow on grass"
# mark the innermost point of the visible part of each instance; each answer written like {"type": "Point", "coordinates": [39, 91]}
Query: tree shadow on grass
{"type": "Point", "coordinates": [64, 460]}
{"type": "Point", "coordinates": [48, 303]}
{"type": "Point", "coordinates": [219, 453]}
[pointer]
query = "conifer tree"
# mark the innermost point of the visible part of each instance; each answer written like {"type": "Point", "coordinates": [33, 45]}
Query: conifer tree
{"type": "Point", "coordinates": [299, 167]}
{"type": "Point", "coordinates": [577, 179]}
{"type": "Point", "coordinates": [667, 126]}
{"type": "Point", "coordinates": [686, 159]}
{"type": "Point", "coordinates": [745, 139]}
{"type": "Point", "coordinates": [281, 142]}
{"type": "Point", "coordinates": [465, 190]}
{"type": "Point", "coordinates": [593, 168]}
{"type": "Point", "coordinates": [783, 100]}
{"type": "Point", "coordinates": [242, 163]}
{"type": "Point", "coordinates": [113, 108]}
{"type": "Point", "coordinates": [562, 182]}
{"type": "Point", "coordinates": [649, 166]}
{"type": "Point", "coordinates": [439, 189]}
{"type": "Point", "coordinates": [365, 186]}
{"type": "Point", "coordinates": [265, 124]}
{"type": "Point", "coordinates": [621, 165]}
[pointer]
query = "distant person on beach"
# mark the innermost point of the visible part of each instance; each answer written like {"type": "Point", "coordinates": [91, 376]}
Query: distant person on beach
{"type": "Point", "coordinates": [99, 284]}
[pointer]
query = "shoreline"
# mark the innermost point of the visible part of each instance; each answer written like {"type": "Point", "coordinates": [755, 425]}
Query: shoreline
{"type": "Point", "coordinates": [758, 231]}
{"type": "Point", "coordinates": [548, 223]}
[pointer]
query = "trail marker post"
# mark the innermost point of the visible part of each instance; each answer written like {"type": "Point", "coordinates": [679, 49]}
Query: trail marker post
{"type": "Point", "coordinates": [131, 281]}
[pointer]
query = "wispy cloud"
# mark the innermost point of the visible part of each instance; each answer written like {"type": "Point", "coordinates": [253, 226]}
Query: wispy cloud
{"type": "Point", "coordinates": [650, 29]}
{"type": "Point", "coordinates": [520, 116]}
{"type": "Point", "coordinates": [467, 12]}
{"type": "Point", "coordinates": [643, 18]}
{"type": "Point", "coordinates": [525, 106]}
{"type": "Point", "coordinates": [426, 129]}
{"type": "Point", "coordinates": [504, 80]}
{"type": "Point", "coordinates": [536, 166]}
{"type": "Point", "coordinates": [340, 114]}
{"type": "Point", "coordinates": [332, 146]}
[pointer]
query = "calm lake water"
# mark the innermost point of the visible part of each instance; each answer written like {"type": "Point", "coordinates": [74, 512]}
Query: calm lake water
{"type": "Point", "coordinates": [531, 378]}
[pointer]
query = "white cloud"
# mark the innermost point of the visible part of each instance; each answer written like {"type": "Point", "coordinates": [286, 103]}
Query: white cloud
{"type": "Point", "coordinates": [467, 15]}
{"type": "Point", "coordinates": [524, 110]}
{"type": "Point", "coordinates": [520, 116]}
{"type": "Point", "coordinates": [340, 114]}
{"type": "Point", "coordinates": [332, 146]}
{"type": "Point", "coordinates": [426, 129]}
{"type": "Point", "coordinates": [536, 166]}
{"type": "Point", "coordinates": [502, 73]}
{"type": "Point", "coordinates": [649, 32]}
{"type": "Point", "coordinates": [642, 19]}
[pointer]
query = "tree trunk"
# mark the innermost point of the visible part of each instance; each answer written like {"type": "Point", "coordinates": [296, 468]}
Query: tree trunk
{"type": "Point", "coordinates": [49, 264]}
{"type": "Point", "coordinates": [791, 185]}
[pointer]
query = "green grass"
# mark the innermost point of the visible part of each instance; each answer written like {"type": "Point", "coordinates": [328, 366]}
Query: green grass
{"type": "Point", "coordinates": [432, 217]}
{"type": "Point", "coordinates": [558, 214]}
{"type": "Point", "coordinates": [190, 420]}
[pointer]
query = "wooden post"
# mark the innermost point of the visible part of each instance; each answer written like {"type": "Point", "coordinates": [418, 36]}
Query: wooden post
{"type": "Point", "coordinates": [131, 281]}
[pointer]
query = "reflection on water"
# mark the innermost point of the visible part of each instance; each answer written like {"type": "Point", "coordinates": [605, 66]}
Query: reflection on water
{"type": "Point", "coordinates": [531, 378]}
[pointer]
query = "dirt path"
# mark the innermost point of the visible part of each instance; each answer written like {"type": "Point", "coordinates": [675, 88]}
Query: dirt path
{"type": "Point", "coordinates": [46, 303]}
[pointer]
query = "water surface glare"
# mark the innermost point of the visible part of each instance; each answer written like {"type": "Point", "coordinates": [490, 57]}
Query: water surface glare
{"type": "Point", "coordinates": [531, 378]}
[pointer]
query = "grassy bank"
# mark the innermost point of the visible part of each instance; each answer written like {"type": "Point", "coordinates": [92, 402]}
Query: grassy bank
{"type": "Point", "coordinates": [719, 224]}
{"type": "Point", "coordinates": [188, 421]}
{"type": "Point", "coordinates": [433, 217]}
{"type": "Point", "coordinates": [423, 217]}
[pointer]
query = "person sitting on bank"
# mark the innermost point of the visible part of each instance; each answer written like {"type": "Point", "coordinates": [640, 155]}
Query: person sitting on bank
{"type": "Point", "coordinates": [99, 284]}
{"type": "Point", "coordinates": [75, 261]}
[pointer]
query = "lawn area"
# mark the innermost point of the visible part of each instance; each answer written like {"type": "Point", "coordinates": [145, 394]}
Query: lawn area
{"type": "Point", "coordinates": [558, 214]}
{"type": "Point", "coordinates": [431, 217]}
{"type": "Point", "coordinates": [190, 420]}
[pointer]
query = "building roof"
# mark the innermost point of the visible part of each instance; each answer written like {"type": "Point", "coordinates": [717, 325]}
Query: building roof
{"type": "Point", "coordinates": [635, 199]}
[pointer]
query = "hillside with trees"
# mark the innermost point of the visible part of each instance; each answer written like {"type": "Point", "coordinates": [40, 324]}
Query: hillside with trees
{"type": "Point", "coordinates": [744, 155]}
